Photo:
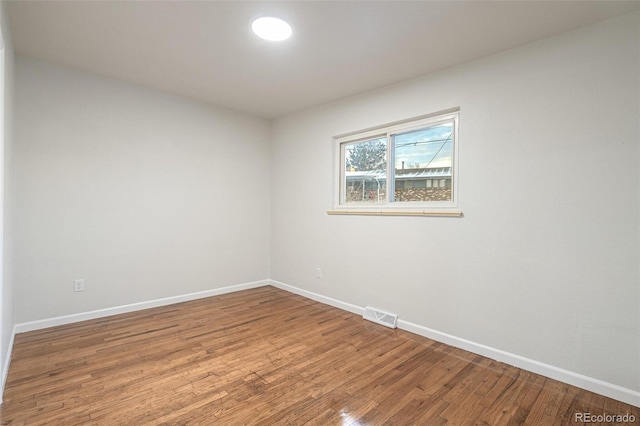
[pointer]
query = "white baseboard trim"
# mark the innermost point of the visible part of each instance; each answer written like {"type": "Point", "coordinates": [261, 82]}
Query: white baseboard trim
{"type": "Point", "coordinates": [7, 362]}
{"type": "Point", "coordinates": [100, 313]}
{"type": "Point", "coordinates": [609, 390]}
{"type": "Point", "coordinates": [318, 297]}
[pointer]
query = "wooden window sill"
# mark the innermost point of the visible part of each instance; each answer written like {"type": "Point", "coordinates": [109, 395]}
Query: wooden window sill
{"type": "Point", "coordinates": [389, 212]}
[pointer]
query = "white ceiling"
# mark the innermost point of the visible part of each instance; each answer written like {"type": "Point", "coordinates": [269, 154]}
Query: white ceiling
{"type": "Point", "coordinates": [205, 49]}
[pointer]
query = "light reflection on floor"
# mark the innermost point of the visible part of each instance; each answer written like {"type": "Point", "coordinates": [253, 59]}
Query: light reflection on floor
{"type": "Point", "coordinates": [347, 420]}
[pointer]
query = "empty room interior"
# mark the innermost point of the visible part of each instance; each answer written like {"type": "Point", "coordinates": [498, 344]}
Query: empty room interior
{"type": "Point", "coordinates": [384, 212]}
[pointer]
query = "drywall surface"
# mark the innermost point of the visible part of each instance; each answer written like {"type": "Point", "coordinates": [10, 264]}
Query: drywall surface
{"type": "Point", "coordinates": [6, 288]}
{"type": "Point", "coordinates": [544, 263]}
{"type": "Point", "coordinates": [141, 194]}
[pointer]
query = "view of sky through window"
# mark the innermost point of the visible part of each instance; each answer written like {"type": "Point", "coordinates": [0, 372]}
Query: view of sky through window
{"type": "Point", "coordinates": [425, 148]}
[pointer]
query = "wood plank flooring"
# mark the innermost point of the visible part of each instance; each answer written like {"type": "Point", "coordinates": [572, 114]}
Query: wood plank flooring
{"type": "Point", "coordinates": [268, 357]}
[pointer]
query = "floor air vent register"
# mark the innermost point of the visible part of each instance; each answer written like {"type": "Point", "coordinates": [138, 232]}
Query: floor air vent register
{"type": "Point", "coordinates": [380, 317]}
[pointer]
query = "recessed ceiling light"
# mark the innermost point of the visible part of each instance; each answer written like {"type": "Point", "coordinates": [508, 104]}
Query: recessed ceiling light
{"type": "Point", "coordinates": [272, 29]}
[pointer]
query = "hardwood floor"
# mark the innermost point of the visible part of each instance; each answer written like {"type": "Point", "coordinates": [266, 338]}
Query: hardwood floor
{"type": "Point", "coordinates": [268, 357]}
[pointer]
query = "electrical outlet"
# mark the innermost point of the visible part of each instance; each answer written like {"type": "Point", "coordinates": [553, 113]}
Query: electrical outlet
{"type": "Point", "coordinates": [318, 273]}
{"type": "Point", "coordinates": [78, 285]}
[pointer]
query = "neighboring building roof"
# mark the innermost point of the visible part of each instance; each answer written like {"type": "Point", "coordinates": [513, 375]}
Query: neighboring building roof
{"type": "Point", "coordinates": [406, 174]}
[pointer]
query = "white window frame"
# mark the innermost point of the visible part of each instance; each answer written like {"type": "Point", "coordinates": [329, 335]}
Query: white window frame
{"type": "Point", "coordinates": [396, 208]}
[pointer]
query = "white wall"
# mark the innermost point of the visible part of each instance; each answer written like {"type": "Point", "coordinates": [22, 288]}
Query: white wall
{"type": "Point", "coordinates": [544, 264]}
{"type": "Point", "coordinates": [142, 194]}
{"type": "Point", "coordinates": [6, 282]}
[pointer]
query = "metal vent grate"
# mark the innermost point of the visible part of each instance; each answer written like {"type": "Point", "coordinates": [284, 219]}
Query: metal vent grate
{"type": "Point", "coordinates": [384, 318]}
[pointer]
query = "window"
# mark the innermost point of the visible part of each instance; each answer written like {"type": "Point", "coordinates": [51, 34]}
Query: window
{"type": "Point", "coordinates": [408, 167]}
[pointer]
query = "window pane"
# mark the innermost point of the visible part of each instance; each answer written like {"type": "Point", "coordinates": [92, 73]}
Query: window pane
{"type": "Point", "coordinates": [423, 164]}
{"type": "Point", "coordinates": [365, 165]}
